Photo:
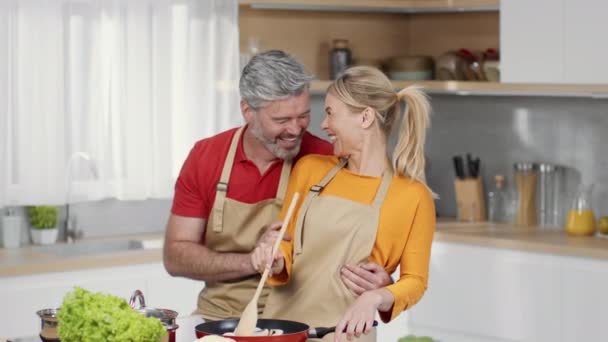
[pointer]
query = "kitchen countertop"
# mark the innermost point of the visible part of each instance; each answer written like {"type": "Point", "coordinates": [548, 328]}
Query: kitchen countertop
{"type": "Point", "coordinates": [29, 260]}
{"type": "Point", "coordinates": [534, 239]}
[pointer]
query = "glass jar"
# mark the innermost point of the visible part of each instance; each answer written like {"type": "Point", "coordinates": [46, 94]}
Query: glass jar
{"type": "Point", "coordinates": [581, 219]}
{"type": "Point", "coordinates": [526, 175]}
{"type": "Point", "coordinates": [340, 58]}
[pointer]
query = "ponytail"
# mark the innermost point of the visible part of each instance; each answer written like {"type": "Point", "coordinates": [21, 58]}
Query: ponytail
{"type": "Point", "coordinates": [408, 156]}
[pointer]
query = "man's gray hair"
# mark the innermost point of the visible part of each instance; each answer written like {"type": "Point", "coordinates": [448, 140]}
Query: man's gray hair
{"type": "Point", "coordinates": [272, 75]}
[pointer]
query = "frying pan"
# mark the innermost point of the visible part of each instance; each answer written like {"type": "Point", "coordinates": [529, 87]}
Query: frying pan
{"type": "Point", "coordinates": [292, 331]}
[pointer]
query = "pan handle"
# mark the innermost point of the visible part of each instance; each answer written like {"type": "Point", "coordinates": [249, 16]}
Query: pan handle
{"type": "Point", "coordinates": [321, 332]}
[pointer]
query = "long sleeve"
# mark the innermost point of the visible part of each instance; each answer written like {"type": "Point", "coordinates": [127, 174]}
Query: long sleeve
{"type": "Point", "coordinates": [415, 259]}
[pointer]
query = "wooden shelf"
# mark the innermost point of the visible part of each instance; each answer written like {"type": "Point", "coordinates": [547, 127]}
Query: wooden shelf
{"type": "Point", "coordinates": [401, 6]}
{"type": "Point", "coordinates": [599, 91]}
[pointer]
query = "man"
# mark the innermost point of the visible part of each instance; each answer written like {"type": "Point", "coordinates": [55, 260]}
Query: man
{"type": "Point", "coordinates": [231, 187]}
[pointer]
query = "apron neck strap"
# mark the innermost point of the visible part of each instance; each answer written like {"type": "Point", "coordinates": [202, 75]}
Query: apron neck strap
{"type": "Point", "coordinates": [222, 186]}
{"type": "Point", "coordinates": [282, 189]}
{"type": "Point", "coordinates": [313, 192]}
{"type": "Point", "coordinates": [387, 176]}
{"type": "Point", "coordinates": [221, 189]}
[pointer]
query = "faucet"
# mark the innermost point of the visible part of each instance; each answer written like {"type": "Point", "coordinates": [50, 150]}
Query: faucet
{"type": "Point", "coordinates": [70, 232]}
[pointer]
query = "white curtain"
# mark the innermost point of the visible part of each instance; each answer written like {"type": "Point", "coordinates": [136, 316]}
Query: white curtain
{"type": "Point", "coordinates": [130, 83]}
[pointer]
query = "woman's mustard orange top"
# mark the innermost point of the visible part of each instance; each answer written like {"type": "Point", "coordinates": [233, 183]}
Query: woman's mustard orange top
{"type": "Point", "coordinates": [405, 231]}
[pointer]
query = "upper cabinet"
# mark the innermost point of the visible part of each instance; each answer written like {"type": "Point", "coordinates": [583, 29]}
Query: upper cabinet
{"type": "Point", "coordinates": [553, 41]}
{"type": "Point", "coordinates": [375, 30]}
{"type": "Point", "coordinates": [546, 47]}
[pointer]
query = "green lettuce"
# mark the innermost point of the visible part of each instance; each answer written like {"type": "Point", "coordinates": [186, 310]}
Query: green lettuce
{"type": "Point", "coordinates": [91, 317]}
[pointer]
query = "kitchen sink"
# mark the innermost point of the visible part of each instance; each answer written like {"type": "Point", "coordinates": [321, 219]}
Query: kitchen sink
{"type": "Point", "coordinates": [98, 247]}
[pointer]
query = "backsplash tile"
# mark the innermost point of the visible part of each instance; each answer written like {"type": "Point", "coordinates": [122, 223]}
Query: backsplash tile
{"type": "Point", "coordinates": [502, 130]}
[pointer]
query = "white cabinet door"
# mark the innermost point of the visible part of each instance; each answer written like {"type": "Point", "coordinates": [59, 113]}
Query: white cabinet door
{"type": "Point", "coordinates": [585, 48]}
{"type": "Point", "coordinates": [585, 300]}
{"type": "Point", "coordinates": [179, 294]}
{"type": "Point", "coordinates": [531, 41]}
{"type": "Point", "coordinates": [487, 294]}
{"type": "Point", "coordinates": [23, 296]}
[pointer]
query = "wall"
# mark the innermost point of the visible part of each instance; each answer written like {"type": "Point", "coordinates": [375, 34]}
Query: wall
{"type": "Point", "coordinates": [501, 130]}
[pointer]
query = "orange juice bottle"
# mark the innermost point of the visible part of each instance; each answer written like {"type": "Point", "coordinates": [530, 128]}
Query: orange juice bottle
{"type": "Point", "coordinates": [581, 220]}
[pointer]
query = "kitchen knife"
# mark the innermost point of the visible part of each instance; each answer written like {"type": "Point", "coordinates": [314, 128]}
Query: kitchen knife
{"type": "Point", "coordinates": [458, 167]}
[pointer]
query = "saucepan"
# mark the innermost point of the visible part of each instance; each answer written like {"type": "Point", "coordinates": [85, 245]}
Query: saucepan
{"type": "Point", "coordinates": [291, 331]}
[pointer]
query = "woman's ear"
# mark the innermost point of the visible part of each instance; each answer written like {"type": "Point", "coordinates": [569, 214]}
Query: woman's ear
{"type": "Point", "coordinates": [368, 117]}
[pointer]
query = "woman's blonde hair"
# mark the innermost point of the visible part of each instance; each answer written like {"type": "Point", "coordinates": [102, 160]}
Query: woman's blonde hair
{"type": "Point", "coordinates": [362, 87]}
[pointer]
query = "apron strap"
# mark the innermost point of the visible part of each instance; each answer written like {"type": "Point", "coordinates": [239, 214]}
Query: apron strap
{"type": "Point", "coordinates": [222, 186]}
{"type": "Point", "coordinates": [387, 176]}
{"type": "Point", "coordinates": [282, 189]}
{"type": "Point", "coordinates": [312, 193]}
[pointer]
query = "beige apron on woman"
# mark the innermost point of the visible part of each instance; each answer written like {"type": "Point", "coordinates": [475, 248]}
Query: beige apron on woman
{"type": "Point", "coordinates": [330, 232]}
{"type": "Point", "coordinates": [235, 227]}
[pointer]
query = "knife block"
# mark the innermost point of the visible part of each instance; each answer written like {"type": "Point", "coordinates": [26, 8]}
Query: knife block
{"type": "Point", "coordinates": [470, 200]}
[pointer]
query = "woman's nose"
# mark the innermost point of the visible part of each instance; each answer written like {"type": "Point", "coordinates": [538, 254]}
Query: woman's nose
{"type": "Point", "coordinates": [324, 123]}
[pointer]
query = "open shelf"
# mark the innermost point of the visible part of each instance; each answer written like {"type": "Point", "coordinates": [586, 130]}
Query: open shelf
{"type": "Point", "coordinates": [494, 89]}
{"type": "Point", "coordinates": [399, 6]}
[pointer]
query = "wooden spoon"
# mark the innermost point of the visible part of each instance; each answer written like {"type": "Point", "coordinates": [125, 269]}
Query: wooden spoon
{"type": "Point", "coordinates": [249, 317]}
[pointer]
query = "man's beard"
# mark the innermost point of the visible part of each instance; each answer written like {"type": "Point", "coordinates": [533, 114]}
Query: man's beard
{"type": "Point", "coordinates": [272, 146]}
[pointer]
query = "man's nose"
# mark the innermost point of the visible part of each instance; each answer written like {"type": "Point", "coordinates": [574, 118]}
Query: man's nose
{"type": "Point", "coordinates": [294, 127]}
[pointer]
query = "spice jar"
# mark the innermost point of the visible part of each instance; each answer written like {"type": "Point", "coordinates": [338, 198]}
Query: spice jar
{"type": "Point", "coordinates": [340, 58]}
{"type": "Point", "coordinates": [525, 180]}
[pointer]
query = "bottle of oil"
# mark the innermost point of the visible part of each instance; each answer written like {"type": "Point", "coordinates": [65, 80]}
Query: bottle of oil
{"type": "Point", "coordinates": [340, 58]}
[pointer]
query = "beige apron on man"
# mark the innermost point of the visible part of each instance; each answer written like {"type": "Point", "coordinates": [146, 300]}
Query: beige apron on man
{"type": "Point", "coordinates": [235, 227]}
{"type": "Point", "coordinates": [330, 232]}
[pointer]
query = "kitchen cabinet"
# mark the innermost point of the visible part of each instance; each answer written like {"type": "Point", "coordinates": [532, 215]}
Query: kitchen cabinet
{"type": "Point", "coordinates": [376, 30]}
{"type": "Point", "coordinates": [22, 296]}
{"type": "Point", "coordinates": [584, 301]}
{"type": "Point", "coordinates": [534, 54]}
{"type": "Point", "coordinates": [546, 41]}
{"type": "Point", "coordinates": [489, 294]}
{"type": "Point", "coordinates": [585, 50]}
{"type": "Point", "coordinates": [531, 44]}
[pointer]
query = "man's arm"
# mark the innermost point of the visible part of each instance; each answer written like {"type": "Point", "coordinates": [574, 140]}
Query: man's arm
{"type": "Point", "coordinates": [185, 256]}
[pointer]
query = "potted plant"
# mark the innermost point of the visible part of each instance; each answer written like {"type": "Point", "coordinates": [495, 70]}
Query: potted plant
{"type": "Point", "coordinates": [43, 220]}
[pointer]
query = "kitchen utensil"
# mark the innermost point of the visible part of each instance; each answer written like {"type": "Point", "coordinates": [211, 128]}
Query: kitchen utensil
{"type": "Point", "coordinates": [470, 199]}
{"type": "Point", "coordinates": [473, 166]}
{"type": "Point", "coordinates": [249, 317]}
{"type": "Point", "coordinates": [410, 68]}
{"type": "Point", "coordinates": [292, 331]}
{"type": "Point", "coordinates": [166, 317]}
{"type": "Point", "coordinates": [48, 324]}
{"type": "Point", "coordinates": [458, 167]}
{"type": "Point", "coordinates": [449, 67]}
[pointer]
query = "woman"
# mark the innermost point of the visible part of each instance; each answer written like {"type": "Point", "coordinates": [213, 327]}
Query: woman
{"type": "Point", "coordinates": [357, 206]}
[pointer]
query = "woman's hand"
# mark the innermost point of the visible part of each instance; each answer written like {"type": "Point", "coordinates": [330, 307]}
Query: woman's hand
{"type": "Point", "coordinates": [359, 318]}
{"type": "Point", "coordinates": [261, 258]}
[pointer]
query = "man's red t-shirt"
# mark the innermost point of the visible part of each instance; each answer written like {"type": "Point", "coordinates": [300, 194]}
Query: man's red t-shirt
{"type": "Point", "coordinates": [196, 185]}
